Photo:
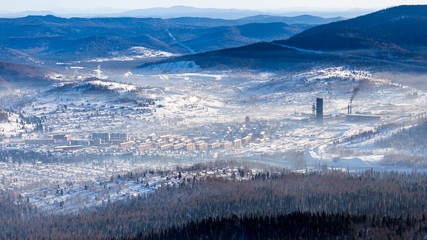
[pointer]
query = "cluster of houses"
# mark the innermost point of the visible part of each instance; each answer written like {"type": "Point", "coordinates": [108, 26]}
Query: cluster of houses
{"type": "Point", "coordinates": [173, 142]}
{"type": "Point", "coordinates": [110, 142]}
{"type": "Point", "coordinates": [170, 142]}
{"type": "Point", "coordinates": [65, 143]}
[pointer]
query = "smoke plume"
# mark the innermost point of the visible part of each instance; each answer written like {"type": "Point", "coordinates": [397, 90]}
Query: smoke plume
{"type": "Point", "coordinates": [362, 85]}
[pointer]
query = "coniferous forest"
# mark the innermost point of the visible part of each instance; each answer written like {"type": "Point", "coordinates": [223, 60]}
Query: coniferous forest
{"type": "Point", "coordinates": [296, 225]}
{"type": "Point", "coordinates": [277, 205]}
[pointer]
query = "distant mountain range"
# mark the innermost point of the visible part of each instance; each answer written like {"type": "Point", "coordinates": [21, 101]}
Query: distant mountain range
{"type": "Point", "coordinates": [49, 38]}
{"type": "Point", "coordinates": [185, 11]}
{"type": "Point", "coordinates": [396, 35]}
{"type": "Point", "coordinates": [392, 36]}
{"type": "Point", "coordinates": [213, 22]}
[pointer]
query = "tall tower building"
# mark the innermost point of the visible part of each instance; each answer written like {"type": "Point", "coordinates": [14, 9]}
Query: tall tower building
{"type": "Point", "coordinates": [319, 109]}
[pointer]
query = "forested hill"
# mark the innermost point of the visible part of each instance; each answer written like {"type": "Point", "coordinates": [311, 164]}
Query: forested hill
{"type": "Point", "coordinates": [373, 196]}
{"type": "Point", "coordinates": [20, 75]}
{"type": "Point", "coordinates": [396, 28]}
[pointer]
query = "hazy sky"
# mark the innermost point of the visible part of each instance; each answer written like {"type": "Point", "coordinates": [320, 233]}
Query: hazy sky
{"type": "Point", "coordinates": [37, 5]}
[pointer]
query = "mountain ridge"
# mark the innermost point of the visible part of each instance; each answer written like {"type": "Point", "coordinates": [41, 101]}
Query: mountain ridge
{"type": "Point", "coordinates": [396, 38]}
{"type": "Point", "coordinates": [52, 38]}
{"type": "Point", "coordinates": [391, 28]}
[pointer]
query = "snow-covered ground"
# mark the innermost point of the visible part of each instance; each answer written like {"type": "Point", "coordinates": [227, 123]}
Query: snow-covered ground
{"type": "Point", "coordinates": [132, 54]}
{"type": "Point", "coordinates": [61, 188]}
{"type": "Point", "coordinates": [211, 105]}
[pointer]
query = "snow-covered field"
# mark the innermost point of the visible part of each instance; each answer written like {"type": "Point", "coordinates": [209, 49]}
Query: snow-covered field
{"type": "Point", "coordinates": [132, 54]}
